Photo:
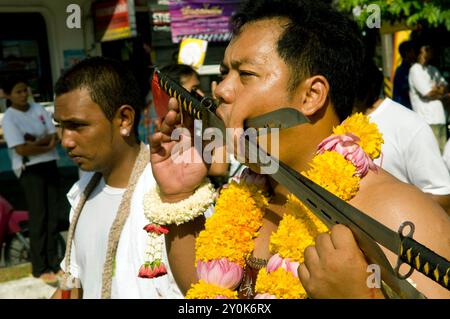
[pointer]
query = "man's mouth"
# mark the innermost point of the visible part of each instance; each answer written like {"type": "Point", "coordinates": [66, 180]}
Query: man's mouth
{"type": "Point", "coordinates": [76, 158]}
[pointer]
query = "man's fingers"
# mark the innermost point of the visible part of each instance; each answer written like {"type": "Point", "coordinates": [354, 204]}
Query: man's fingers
{"type": "Point", "coordinates": [158, 123]}
{"type": "Point", "coordinates": [173, 105]}
{"type": "Point", "coordinates": [303, 274]}
{"type": "Point", "coordinates": [155, 142]}
{"type": "Point", "coordinates": [311, 257]}
{"type": "Point", "coordinates": [169, 123]}
{"type": "Point", "coordinates": [172, 118]}
{"type": "Point", "coordinates": [324, 245]}
{"type": "Point", "coordinates": [342, 237]}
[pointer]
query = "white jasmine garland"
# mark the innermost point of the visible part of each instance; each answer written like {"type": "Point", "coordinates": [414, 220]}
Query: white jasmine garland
{"type": "Point", "coordinates": [161, 214]}
{"type": "Point", "coordinates": [155, 245]}
{"type": "Point", "coordinates": [181, 212]}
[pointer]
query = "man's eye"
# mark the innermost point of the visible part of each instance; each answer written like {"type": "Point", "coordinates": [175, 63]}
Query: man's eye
{"type": "Point", "coordinates": [73, 126]}
{"type": "Point", "coordinates": [245, 73]}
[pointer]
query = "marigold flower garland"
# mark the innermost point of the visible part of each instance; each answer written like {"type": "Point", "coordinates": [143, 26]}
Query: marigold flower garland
{"type": "Point", "coordinates": [221, 249]}
{"type": "Point", "coordinates": [341, 161]}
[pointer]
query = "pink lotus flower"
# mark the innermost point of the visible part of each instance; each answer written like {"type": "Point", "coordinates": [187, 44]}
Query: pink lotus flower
{"type": "Point", "coordinates": [265, 296]}
{"type": "Point", "coordinates": [220, 272]}
{"type": "Point", "coordinates": [276, 262]}
{"type": "Point", "coordinates": [158, 229]}
{"type": "Point", "coordinates": [347, 146]}
{"type": "Point", "coordinates": [152, 270]}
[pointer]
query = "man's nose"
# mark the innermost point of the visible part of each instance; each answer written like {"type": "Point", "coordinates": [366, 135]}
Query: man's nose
{"type": "Point", "coordinates": [224, 92]}
{"type": "Point", "coordinates": [67, 140]}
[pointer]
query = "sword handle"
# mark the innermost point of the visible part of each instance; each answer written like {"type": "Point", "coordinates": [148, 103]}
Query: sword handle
{"type": "Point", "coordinates": [424, 260]}
{"type": "Point", "coordinates": [190, 103]}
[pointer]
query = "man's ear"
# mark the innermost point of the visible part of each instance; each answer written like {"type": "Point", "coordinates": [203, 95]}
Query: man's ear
{"type": "Point", "coordinates": [125, 119]}
{"type": "Point", "coordinates": [314, 94]}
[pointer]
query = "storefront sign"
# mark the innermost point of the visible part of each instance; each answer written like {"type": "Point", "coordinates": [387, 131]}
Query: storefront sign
{"type": "Point", "coordinates": [202, 19]}
{"type": "Point", "coordinates": [114, 20]}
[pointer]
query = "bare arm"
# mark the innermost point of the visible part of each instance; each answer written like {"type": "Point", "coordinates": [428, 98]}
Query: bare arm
{"type": "Point", "coordinates": [432, 224]}
{"type": "Point", "coordinates": [180, 243]}
{"type": "Point", "coordinates": [436, 93]}
{"type": "Point", "coordinates": [38, 147]}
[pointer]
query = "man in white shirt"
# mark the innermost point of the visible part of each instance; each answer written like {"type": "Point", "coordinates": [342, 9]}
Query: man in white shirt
{"type": "Point", "coordinates": [97, 105]}
{"type": "Point", "coordinates": [426, 89]}
{"type": "Point", "coordinates": [410, 151]}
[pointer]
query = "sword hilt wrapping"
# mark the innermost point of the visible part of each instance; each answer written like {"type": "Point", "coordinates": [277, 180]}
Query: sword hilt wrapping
{"type": "Point", "coordinates": [425, 260]}
{"type": "Point", "coordinates": [186, 101]}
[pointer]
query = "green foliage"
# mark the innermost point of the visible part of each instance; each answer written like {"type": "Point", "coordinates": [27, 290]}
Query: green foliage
{"type": "Point", "coordinates": [434, 13]}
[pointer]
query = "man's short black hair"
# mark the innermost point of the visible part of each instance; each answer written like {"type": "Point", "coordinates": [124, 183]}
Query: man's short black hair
{"type": "Point", "coordinates": [109, 82]}
{"type": "Point", "coordinates": [318, 40]}
{"type": "Point", "coordinates": [10, 82]}
{"type": "Point", "coordinates": [369, 88]}
{"type": "Point", "coordinates": [177, 71]}
{"type": "Point", "coordinates": [405, 47]}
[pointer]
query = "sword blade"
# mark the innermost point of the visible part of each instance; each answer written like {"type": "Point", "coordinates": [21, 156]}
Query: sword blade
{"type": "Point", "coordinates": [282, 118]}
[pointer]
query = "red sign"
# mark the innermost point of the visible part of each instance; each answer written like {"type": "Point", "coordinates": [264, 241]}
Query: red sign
{"type": "Point", "coordinates": [114, 20]}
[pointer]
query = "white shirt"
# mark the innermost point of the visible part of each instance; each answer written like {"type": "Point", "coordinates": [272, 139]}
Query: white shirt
{"type": "Point", "coordinates": [35, 121]}
{"type": "Point", "coordinates": [91, 238]}
{"type": "Point", "coordinates": [410, 151]}
{"type": "Point", "coordinates": [446, 155]}
{"type": "Point", "coordinates": [422, 79]}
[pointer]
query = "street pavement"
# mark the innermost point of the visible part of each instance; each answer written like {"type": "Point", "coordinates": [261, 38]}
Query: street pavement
{"type": "Point", "coordinates": [26, 288]}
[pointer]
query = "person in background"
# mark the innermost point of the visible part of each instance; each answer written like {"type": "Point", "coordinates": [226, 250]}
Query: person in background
{"type": "Point", "coordinates": [148, 120]}
{"type": "Point", "coordinates": [96, 105]}
{"type": "Point", "coordinates": [410, 151]}
{"type": "Point", "coordinates": [31, 137]}
{"type": "Point", "coordinates": [426, 89]}
{"type": "Point", "coordinates": [401, 84]}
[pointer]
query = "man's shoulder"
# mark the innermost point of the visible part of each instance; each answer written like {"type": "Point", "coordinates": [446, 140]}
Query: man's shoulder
{"type": "Point", "coordinates": [9, 113]}
{"type": "Point", "coordinates": [390, 111]}
{"type": "Point", "coordinates": [37, 108]}
{"type": "Point", "coordinates": [392, 202]}
{"type": "Point", "coordinates": [416, 70]}
{"type": "Point", "coordinates": [407, 116]}
{"type": "Point", "coordinates": [74, 193]}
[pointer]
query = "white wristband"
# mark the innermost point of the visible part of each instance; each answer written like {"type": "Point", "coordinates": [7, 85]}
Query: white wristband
{"type": "Point", "coordinates": [181, 212]}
